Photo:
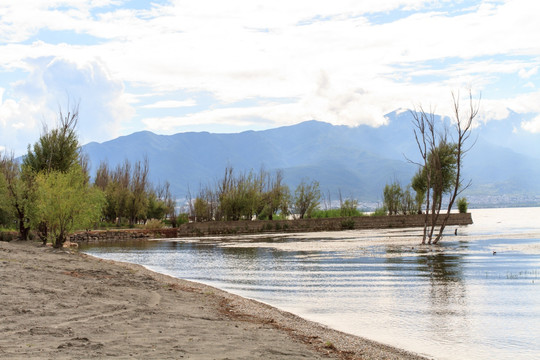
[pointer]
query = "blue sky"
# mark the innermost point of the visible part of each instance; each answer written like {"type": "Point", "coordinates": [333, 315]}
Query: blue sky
{"type": "Point", "coordinates": [228, 66]}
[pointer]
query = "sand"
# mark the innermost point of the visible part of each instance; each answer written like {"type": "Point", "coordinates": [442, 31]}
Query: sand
{"type": "Point", "coordinates": [61, 304]}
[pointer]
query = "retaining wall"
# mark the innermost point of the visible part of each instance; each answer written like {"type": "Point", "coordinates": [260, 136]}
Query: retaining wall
{"type": "Point", "coordinates": [213, 228]}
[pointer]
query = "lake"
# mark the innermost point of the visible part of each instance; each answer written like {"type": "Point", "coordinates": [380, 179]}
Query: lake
{"type": "Point", "coordinates": [475, 296]}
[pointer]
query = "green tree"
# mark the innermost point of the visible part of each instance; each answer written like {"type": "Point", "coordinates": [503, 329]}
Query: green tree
{"type": "Point", "coordinates": [18, 193]}
{"type": "Point", "coordinates": [462, 205]}
{"type": "Point", "coordinates": [398, 200]}
{"type": "Point", "coordinates": [442, 161]}
{"type": "Point", "coordinates": [419, 185]}
{"type": "Point", "coordinates": [349, 207]}
{"type": "Point", "coordinates": [167, 203]}
{"type": "Point", "coordinates": [274, 197]}
{"type": "Point", "coordinates": [440, 169]}
{"type": "Point", "coordinates": [7, 218]}
{"type": "Point", "coordinates": [409, 203]}
{"type": "Point", "coordinates": [57, 149]}
{"type": "Point", "coordinates": [118, 192]}
{"type": "Point", "coordinates": [440, 173]}
{"type": "Point", "coordinates": [138, 197]}
{"type": "Point", "coordinates": [392, 194]}
{"type": "Point", "coordinates": [242, 196]}
{"type": "Point", "coordinates": [103, 176]}
{"type": "Point", "coordinates": [206, 205]}
{"type": "Point", "coordinates": [66, 202]}
{"type": "Point", "coordinates": [202, 211]}
{"type": "Point", "coordinates": [306, 198]}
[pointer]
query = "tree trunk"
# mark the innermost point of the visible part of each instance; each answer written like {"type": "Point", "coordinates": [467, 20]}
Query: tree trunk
{"type": "Point", "coordinates": [60, 239]}
{"type": "Point", "coordinates": [43, 232]}
{"type": "Point", "coordinates": [24, 231]}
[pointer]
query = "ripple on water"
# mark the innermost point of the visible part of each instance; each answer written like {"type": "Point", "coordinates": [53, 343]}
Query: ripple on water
{"type": "Point", "coordinates": [456, 300]}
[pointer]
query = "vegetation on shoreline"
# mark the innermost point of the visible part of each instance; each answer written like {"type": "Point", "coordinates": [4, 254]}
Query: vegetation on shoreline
{"type": "Point", "coordinates": [50, 191]}
{"type": "Point", "coordinates": [251, 195]}
{"type": "Point", "coordinates": [263, 196]}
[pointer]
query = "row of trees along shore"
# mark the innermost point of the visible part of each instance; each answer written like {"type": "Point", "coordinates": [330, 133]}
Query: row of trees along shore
{"type": "Point", "coordinates": [263, 195]}
{"type": "Point", "coordinates": [50, 191]}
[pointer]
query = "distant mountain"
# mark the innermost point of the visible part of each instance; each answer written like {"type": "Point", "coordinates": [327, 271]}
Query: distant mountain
{"type": "Point", "coordinates": [357, 161]}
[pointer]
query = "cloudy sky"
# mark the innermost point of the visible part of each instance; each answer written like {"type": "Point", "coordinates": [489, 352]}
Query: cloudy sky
{"type": "Point", "coordinates": [228, 66]}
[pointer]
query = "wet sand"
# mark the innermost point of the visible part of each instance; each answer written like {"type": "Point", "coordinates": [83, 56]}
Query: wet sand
{"type": "Point", "coordinates": [61, 304]}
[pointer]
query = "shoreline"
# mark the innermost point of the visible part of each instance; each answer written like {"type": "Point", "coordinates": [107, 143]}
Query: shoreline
{"type": "Point", "coordinates": [64, 304]}
{"type": "Point", "coordinates": [259, 227]}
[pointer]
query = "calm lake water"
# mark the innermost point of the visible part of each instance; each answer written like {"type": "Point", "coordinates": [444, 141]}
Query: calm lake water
{"type": "Point", "coordinates": [459, 300]}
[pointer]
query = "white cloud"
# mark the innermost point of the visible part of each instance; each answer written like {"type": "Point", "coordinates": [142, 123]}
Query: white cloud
{"type": "Point", "coordinates": [532, 126]}
{"type": "Point", "coordinates": [279, 114]}
{"type": "Point", "coordinates": [19, 122]}
{"type": "Point", "coordinates": [525, 103]}
{"type": "Point", "coordinates": [57, 83]}
{"type": "Point", "coordinates": [330, 60]}
{"type": "Point", "coordinates": [170, 104]}
{"type": "Point", "coordinates": [526, 74]}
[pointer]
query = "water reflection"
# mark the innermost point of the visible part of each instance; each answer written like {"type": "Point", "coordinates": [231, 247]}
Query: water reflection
{"type": "Point", "coordinates": [436, 300]}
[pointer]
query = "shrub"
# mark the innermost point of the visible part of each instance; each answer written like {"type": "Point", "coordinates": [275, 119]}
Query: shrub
{"type": "Point", "coordinates": [153, 224]}
{"type": "Point", "coordinates": [380, 211]}
{"type": "Point", "coordinates": [323, 214]}
{"type": "Point", "coordinates": [349, 207]}
{"type": "Point", "coordinates": [347, 224]}
{"type": "Point", "coordinates": [183, 218]}
{"type": "Point", "coordinates": [462, 205]}
{"type": "Point", "coordinates": [280, 216]}
{"type": "Point", "coordinates": [336, 213]}
{"type": "Point", "coordinates": [7, 235]}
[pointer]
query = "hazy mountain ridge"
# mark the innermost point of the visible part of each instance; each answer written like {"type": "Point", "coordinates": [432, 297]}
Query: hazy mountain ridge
{"type": "Point", "coordinates": [358, 161]}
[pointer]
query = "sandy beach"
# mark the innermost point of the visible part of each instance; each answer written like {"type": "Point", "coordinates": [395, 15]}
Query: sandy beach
{"type": "Point", "coordinates": [61, 304]}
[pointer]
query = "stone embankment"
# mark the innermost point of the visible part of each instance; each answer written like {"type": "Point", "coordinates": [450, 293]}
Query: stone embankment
{"type": "Point", "coordinates": [220, 228]}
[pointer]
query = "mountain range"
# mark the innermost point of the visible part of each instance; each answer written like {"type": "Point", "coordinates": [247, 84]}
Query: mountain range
{"type": "Point", "coordinates": [503, 164]}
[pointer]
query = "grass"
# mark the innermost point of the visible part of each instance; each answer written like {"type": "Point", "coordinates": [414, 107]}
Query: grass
{"type": "Point", "coordinates": [379, 212]}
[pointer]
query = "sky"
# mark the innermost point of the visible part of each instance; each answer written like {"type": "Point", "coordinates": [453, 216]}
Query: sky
{"type": "Point", "coordinates": [229, 66]}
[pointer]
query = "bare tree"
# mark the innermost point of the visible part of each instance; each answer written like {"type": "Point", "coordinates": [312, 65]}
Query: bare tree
{"type": "Point", "coordinates": [139, 187]}
{"type": "Point", "coordinates": [306, 198]}
{"type": "Point", "coordinates": [463, 126]}
{"type": "Point", "coordinates": [189, 201]}
{"type": "Point", "coordinates": [276, 195]}
{"type": "Point", "coordinates": [441, 153]}
{"type": "Point", "coordinates": [103, 176]}
{"type": "Point", "coordinates": [423, 133]}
